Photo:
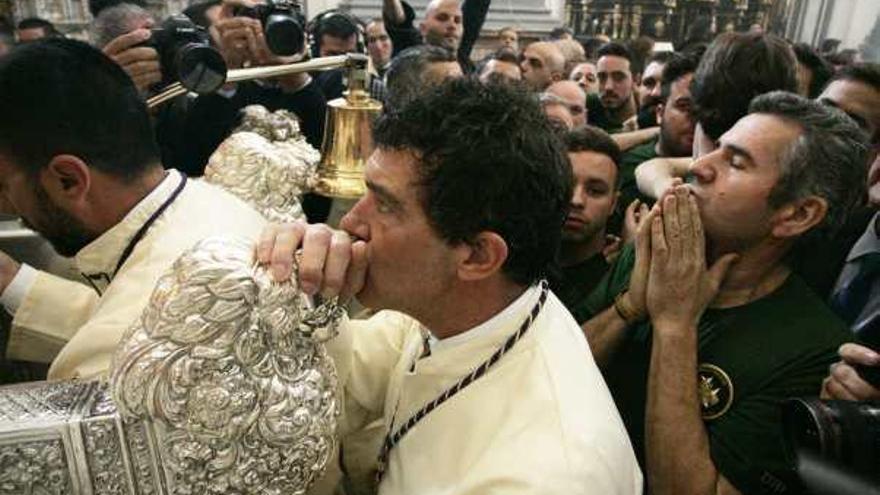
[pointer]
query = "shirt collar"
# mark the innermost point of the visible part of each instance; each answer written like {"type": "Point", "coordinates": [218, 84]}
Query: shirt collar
{"type": "Point", "coordinates": [520, 306]}
{"type": "Point", "coordinates": [868, 243]}
{"type": "Point", "coordinates": [100, 256]}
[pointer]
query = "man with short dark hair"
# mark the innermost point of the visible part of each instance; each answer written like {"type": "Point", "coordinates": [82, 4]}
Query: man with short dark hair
{"type": "Point", "coordinates": [483, 380]}
{"type": "Point", "coordinates": [648, 88]}
{"type": "Point", "coordinates": [379, 46]}
{"type": "Point", "coordinates": [502, 65]}
{"type": "Point", "coordinates": [594, 158]}
{"type": "Point", "coordinates": [34, 28]}
{"type": "Point", "coordinates": [95, 189]}
{"type": "Point", "coordinates": [615, 103]}
{"type": "Point", "coordinates": [674, 113]}
{"type": "Point", "coordinates": [708, 293]}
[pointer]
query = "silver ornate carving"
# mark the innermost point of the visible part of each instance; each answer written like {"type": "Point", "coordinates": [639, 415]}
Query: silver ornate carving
{"type": "Point", "coordinates": [267, 163]}
{"type": "Point", "coordinates": [224, 384]}
{"type": "Point", "coordinates": [225, 360]}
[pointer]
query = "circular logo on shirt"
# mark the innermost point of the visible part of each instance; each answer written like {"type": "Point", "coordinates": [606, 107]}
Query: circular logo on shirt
{"type": "Point", "coordinates": [715, 389]}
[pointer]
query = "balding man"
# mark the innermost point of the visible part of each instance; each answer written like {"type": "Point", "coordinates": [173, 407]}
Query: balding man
{"type": "Point", "coordinates": [447, 23]}
{"type": "Point", "coordinates": [574, 97]}
{"type": "Point", "coordinates": [542, 64]}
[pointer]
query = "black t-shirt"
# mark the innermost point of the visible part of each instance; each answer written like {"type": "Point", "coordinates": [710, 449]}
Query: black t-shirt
{"type": "Point", "coordinates": [777, 347]}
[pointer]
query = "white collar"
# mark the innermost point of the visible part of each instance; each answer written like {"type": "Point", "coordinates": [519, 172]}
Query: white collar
{"type": "Point", "coordinates": [518, 307]}
{"type": "Point", "coordinates": [100, 256]}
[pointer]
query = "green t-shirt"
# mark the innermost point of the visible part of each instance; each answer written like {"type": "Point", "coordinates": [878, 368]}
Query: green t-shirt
{"type": "Point", "coordinates": [598, 116]}
{"type": "Point", "coordinates": [777, 347]}
{"type": "Point", "coordinates": [629, 190]}
{"type": "Point", "coordinates": [579, 280]}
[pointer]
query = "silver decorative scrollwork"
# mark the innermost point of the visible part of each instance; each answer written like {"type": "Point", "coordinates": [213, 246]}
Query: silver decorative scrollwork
{"type": "Point", "coordinates": [230, 366]}
{"type": "Point", "coordinates": [267, 163]}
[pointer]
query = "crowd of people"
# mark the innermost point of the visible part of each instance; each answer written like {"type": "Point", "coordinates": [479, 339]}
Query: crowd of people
{"type": "Point", "coordinates": [592, 267]}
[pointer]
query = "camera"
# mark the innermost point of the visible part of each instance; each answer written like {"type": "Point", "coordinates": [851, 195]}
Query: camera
{"type": "Point", "coordinates": [835, 444]}
{"type": "Point", "coordinates": [185, 54]}
{"type": "Point", "coordinates": [283, 24]}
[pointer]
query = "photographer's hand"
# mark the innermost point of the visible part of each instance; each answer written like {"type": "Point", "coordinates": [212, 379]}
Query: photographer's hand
{"type": "Point", "coordinates": [843, 382]}
{"type": "Point", "coordinates": [141, 63]}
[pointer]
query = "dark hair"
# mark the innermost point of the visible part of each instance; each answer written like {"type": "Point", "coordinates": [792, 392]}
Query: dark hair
{"type": "Point", "coordinates": [827, 160]}
{"type": "Point", "coordinates": [589, 138]}
{"type": "Point", "coordinates": [614, 49]}
{"type": "Point", "coordinates": [865, 73]}
{"type": "Point", "coordinates": [38, 23]}
{"type": "Point", "coordinates": [820, 69]}
{"type": "Point", "coordinates": [502, 55]}
{"type": "Point", "coordinates": [591, 46]}
{"type": "Point", "coordinates": [736, 68]}
{"type": "Point", "coordinates": [61, 96]}
{"type": "Point", "coordinates": [404, 80]}
{"type": "Point", "coordinates": [560, 31]}
{"type": "Point", "coordinates": [680, 65]}
{"type": "Point", "coordinates": [197, 12]}
{"type": "Point", "coordinates": [336, 24]}
{"type": "Point", "coordinates": [488, 160]}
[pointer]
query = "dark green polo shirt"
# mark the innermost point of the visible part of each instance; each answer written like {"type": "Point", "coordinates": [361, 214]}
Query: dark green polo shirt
{"type": "Point", "coordinates": [629, 190]}
{"type": "Point", "coordinates": [579, 280]}
{"type": "Point", "coordinates": [777, 347]}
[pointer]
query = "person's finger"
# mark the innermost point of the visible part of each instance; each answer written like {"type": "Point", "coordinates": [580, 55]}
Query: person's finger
{"type": "Point", "coordinates": [137, 54]}
{"type": "Point", "coordinates": [671, 226]}
{"type": "Point", "coordinates": [265, 244]}
{"type": "Point", "coordinates": [859, 354]}
{"type": "Point", "coordinates": [356, 275]}
{"type": "Point", "coordinates": [849, 378]}
{"type": "Point", "coordinates": [316, 245]}
{"type": "Point", "coordinates": [697, 226]}
{"type": "Point", "coordinates": [719, 270]}
{"type": "Point", "coordinates": [659, 246]}
{"type": "Point", "coordinates": [126, 41]}
{"type": "Point", "coordinates": [287, 240]}
{"type": "Point", "coordinates": [145, 81]}
{"type": "Point", "coordinates": [836, 390]}
{"type": "Point", "coordinates": [336, 264]}
{"type": "Point", "coordinates": [139, 68]}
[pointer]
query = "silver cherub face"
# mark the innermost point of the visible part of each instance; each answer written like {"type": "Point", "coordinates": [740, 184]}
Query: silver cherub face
{"type": "Point", "coordinates": [231, 366]}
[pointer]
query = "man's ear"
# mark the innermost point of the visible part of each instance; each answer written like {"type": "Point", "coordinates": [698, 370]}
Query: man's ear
{"type": "Point", "coordinates": [556, 76]}
{"type": "Point", "coordinates": [482, 257]}
{"type": "Point", "coordinates": [658, 113]}
{"type": "Point", "coordinates": [66, 179]}
{"type": "Point", "coordinates": [422, 28]}
{"type": "Point", "coordinates": [796, 218]}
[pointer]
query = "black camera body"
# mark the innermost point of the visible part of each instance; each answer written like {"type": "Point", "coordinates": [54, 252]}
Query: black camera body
{"type": "Point", "coordinates": [185, 54]}
{"type": "Point", "coordinates": [835, 444]}
{"type": "Point", "coordinates": [283, 24]}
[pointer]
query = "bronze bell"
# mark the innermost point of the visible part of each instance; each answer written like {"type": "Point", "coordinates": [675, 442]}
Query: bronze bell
{"type": "Point", "coordinates": [348, 138]}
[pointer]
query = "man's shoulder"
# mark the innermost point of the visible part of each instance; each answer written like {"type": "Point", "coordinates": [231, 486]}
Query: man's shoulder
{"type": "Point", "coordinates": [641, 153]}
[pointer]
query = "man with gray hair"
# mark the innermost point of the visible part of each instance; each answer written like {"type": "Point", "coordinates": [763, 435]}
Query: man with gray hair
{"type": "Point", "coordinates": [120, 32]}
{"type": "Point", "coordinates": [707, 292]}
{"type": "Point", "coordinates": [415, 70]}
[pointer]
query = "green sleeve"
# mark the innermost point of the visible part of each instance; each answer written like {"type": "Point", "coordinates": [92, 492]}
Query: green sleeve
{"type": "Point", "coordinates": [615, 281]}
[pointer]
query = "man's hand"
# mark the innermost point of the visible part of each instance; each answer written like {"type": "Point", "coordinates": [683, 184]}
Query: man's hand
{"type": "Point", "coordinates": [843, 382]}
{"type": "Point", "coordinates": [638, 282]}
{"type": "Point", "coordinates": [679, 285]}
{"type": "Point", "coordinates": [8, 269]}
{"type": "Point", "coordinates": [237, 38]}
{"type": "Point", "coordinates": [633, 216]}
{"type": "Point", "coordinates": [141, 63]}
{"type": "Point", "coordinates": [330, 263]}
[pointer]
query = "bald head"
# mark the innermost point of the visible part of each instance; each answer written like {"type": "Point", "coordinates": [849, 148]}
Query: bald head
{"type": "Point", "coordinates": [574, 97]}
{"type": "Point", "coordinates": [543, 63]}
{"type": "Point", "coordinates": [443, 24]}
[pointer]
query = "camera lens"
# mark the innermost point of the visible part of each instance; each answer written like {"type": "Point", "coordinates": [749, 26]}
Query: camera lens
{"type": "Point", "coordinates": [200, 68]}
{"type": "Point", "coordinates": [284, 35]}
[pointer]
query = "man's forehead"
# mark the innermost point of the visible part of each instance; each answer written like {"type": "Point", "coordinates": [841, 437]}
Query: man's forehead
{"type": "Point", "coordinates": [763, 136]}
{"type": "Point", "coordinates": [856, 98]}
{"type": "Point", "coordinates": [654, 69]}
{"type": "Point", "coordinates": [612, 63]}
{"type": "Point", "coordinates": [591, 163]}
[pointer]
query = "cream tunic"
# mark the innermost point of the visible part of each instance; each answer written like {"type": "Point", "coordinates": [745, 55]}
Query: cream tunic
{"type": "Point", "coordinates": [57, 314]}
{"type": "Point", "coordinates": [541, 421]}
